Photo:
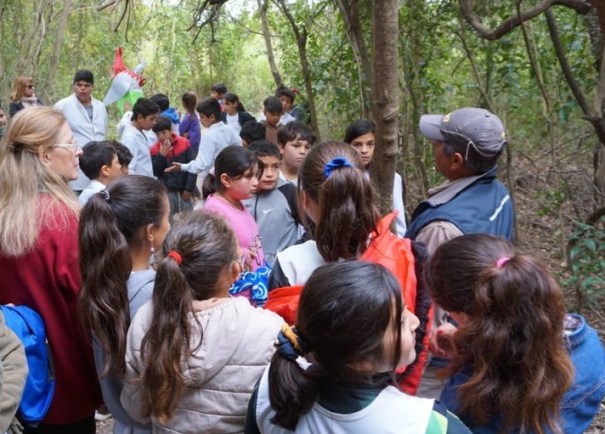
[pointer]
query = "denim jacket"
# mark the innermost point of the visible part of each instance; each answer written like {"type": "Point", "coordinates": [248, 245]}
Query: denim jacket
{"type": "Point", "coordinates": [581, 402]}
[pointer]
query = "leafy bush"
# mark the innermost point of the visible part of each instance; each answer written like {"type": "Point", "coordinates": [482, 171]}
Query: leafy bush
{"type": "Point", "coordinates": [586, 262]}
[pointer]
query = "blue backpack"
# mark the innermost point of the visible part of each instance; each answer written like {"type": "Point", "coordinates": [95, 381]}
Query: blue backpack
{"type": "Point", "coordinates": [40, 383]}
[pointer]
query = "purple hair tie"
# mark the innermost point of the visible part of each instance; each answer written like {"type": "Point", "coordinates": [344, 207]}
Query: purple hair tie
{"type": "Point", "coordinates": [502, 261]}
{"type": "Point", "coordinates": [336, 163]}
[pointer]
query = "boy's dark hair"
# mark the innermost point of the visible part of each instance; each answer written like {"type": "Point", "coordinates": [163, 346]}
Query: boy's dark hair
{"type": "Point", "coordinates": [124, 154]}
{"type": "Point", "coordinates": [94, 156]}
{"type": "Point", "coordinates": [284, 91]}
{"type": "Point", "coordinates": [144, 107]}
{"type": "Point", "coordinates": [209, 107]}
{"type": "Point", "coordinates": [219, 88]}
{"type": "Point", "coordinates": [162, 123]}
{"type": "Point", "coordinates": [272, 104]}
{"type": "Point", "coordinates": [293, 129]}
{"type": "Point", "coordinates": [161, 100]}
{"type": "Point", "coordinates": [264, 148]}
{"type": "Point", "coordinates": [84, 75]}
{"type": "Point", "coordinates": [252, 131]}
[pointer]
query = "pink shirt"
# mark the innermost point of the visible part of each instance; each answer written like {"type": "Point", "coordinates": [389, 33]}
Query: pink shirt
{"type": "Point", "coordinates": [244, 226]}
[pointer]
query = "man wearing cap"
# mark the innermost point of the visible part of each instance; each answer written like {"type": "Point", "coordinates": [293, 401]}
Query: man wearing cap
{"type": "Point", "coordinates": [466, 147]}
{"type": "Point", "coordinates": [86, 116]}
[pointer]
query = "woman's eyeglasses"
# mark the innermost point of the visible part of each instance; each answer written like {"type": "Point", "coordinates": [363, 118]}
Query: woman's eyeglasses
{"type": "Point", "coordinates": [69, 146]}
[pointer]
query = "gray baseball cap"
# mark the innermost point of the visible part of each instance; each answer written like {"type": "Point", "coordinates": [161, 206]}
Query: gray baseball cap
{"type": "Point", "coordinates": [470, 126]}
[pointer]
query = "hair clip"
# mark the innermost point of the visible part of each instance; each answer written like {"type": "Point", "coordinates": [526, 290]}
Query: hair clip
{"type": "Point", "coordinates": [176, 256]}
{"type": "Point", "coordinates": [336, 163]}
{"type": "Point", "coordinates": [502, 261]}
{"type": "Point", "coordinates": [105, 194]}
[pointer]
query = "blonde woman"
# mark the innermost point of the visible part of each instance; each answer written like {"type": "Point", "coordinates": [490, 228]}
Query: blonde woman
{"type": "Point", "coordinates": [23, 95]}
{"type": "Point", "coordinates": [39, 256]}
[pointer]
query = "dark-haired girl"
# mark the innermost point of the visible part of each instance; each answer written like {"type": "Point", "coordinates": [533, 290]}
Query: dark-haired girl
{"type": "Point", "coordinates": [339, 200]}
{"type": "Point", "coordinates": [335, 371]}
{"type": "Point", "coordinates": [194, 353]}
{"type": "Point", "coordinates": [119, 230]}
{"type": "Point", "coordinates": [234, 114]}
{"type": "Point", "coordinates": [519, 363]}
{"type": "Point", "coordinates": [235, 178]}
{"type": "Point", "coordinates": [361, 134]}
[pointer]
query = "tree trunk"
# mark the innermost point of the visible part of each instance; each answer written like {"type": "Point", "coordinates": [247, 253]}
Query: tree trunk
{"type": "Point", "coordinates": [54, 63]}
{"type": "Point", "coordinates": [263, 5]}
{"type": "Point", "coordinates": [352, 21]}
{"type": "Point", "coordinates": [300, 33]}
{"type": "Point", "coordinates": [385, 30]}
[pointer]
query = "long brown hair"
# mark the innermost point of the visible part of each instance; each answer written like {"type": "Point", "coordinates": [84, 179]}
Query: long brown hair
{"type": "Point", "coordinates": [513, 339]}
{"type": "Point", "coordinates": [345, 198]}
{"type": "Point", "coordinates": [206, 245]}
{"type": "Point", "coordinates": [109, 230]}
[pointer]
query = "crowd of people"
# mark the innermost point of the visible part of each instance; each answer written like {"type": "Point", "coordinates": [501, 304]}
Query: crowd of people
{"type": "Point", "coordinates": [211, 272]}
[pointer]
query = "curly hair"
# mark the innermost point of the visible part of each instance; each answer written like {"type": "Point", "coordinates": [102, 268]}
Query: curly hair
{"type": "Point", "coordinates": [513, 338]}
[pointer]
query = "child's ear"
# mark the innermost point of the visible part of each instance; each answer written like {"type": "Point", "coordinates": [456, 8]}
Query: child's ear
{"type": "Point", "coordinates": [104, 170]}
{"type": "Point", "coordinates": [225, 180]}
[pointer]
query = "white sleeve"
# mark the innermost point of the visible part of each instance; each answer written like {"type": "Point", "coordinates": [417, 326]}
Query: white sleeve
{"type": "Point", "coordinates": [203, 161]}
{"type": "Point", "coordinates": [400, 223]}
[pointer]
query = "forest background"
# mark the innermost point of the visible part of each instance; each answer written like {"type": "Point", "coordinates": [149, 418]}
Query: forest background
{"type": "Point", "coordinates": [538, 64]}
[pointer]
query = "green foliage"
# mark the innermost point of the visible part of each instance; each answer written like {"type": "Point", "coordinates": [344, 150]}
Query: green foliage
{"type": "Point", "coordinates": [586, 256]}
{"type": "Point", "coordinates": [551, 200]}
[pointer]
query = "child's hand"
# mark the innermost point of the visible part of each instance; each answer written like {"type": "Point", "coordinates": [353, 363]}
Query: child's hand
{"type": "Point", "coordinates": [176, 167]}
{"type": "Point", "coordinates": [186, 195]}
{"type": "Point", "coordinates": [165, 147]}
{"type": "Point", "coordinates": [442, 341]}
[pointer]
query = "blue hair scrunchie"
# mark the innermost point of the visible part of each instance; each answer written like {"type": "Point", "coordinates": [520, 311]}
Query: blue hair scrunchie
{"type": "Point", "coordinates": [336, 163]}
{"type": "Point", "coordinates": [289, 344]}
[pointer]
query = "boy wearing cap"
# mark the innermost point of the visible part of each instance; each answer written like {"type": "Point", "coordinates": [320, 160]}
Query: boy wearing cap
{"type": "Point", "coordinates": [466, 147]}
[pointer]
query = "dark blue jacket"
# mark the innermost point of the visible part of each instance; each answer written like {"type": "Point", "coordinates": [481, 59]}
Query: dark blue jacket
{"type": "Point", "coordinates": [581, 402]}
{"type": "Point", "coordinates": [482, 207]}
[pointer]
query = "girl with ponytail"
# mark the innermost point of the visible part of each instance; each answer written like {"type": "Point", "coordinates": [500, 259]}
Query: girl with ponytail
{"type": "Point", "coordinates": [194, 353]}
{"type": "Point", "coordinates": [520, 364]}
{"type": "Point", "coordinates": [339, 200]}
{"type": "Point", "coordinates": [334, 372]}
{"type": "Point", "coordinates": [120, 228]}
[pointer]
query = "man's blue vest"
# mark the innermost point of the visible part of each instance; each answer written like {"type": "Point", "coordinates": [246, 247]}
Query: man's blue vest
{"type": "Point", "coordinates": [483, 207]}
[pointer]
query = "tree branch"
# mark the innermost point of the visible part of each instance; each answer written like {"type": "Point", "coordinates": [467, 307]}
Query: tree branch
{"type": "Point", "coordinates": [515, 20]}
{"type": "Point", "coordinates": [565, 67]}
